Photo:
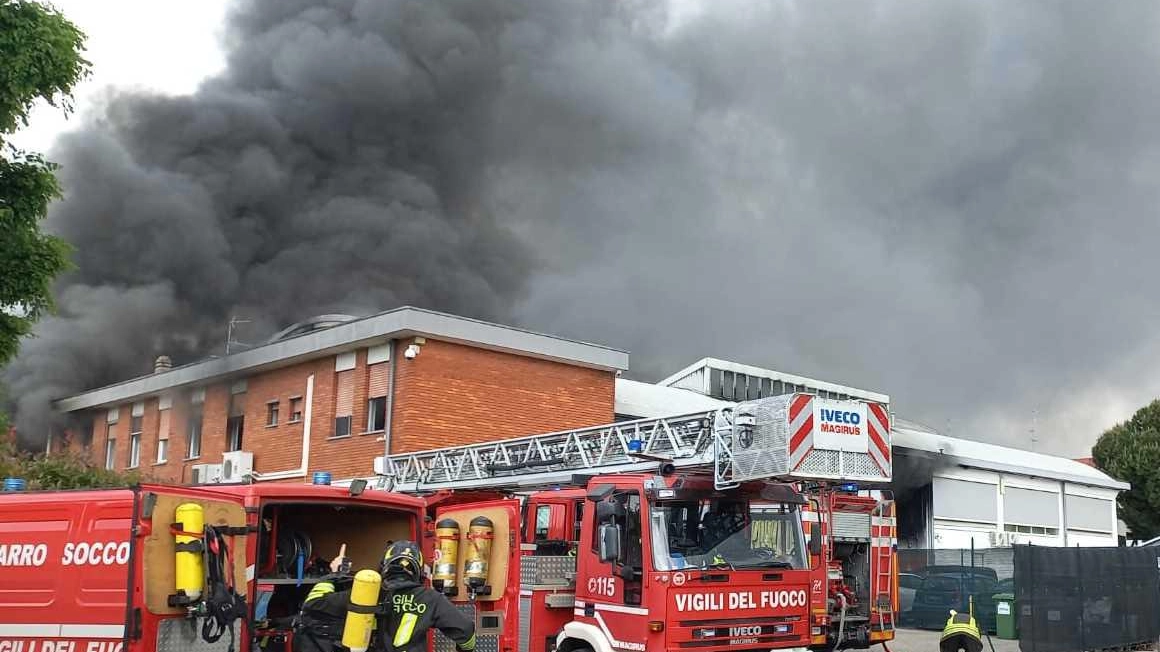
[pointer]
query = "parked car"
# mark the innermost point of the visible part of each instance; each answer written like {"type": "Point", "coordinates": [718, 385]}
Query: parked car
{"type": "Point", "coordinates": [947, 587]}
{"type": "Point", "coordinates": [908, 584]}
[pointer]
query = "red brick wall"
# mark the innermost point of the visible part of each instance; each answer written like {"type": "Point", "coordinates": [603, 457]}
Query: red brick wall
{"type": "Point", "coordinates": [449, 394]}
{"type": "Point", "coordinates": [348, 456]}
{"type": "Point", "coordinates": [279, 447]}
{"type": "Point", "coordinates": [452, 394]}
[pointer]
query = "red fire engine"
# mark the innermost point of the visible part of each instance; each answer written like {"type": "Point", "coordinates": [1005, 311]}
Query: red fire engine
{"type": "Point", "coordinates": [179, 569]}
{"type": "Point", "coordinates": [669, 533]}
{"type": "Point", "coordinates": [658, 534]}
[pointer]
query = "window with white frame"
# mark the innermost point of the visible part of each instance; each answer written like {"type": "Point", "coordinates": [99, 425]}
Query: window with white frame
{"type": "Point", "coordinates": [136, 419]}
{"type": "Point", "coordinates": [378, 377]}
{"type": "Point", "coordinates": [110, 449]}
{"type": "Point", "coordinates": [962, 500]}
{"type": "Point", "coordinates": [377, 414]}
{"type": "Point", "coordinates": [1030, 507]}
{"type": "Point", "coordinates": [193, 430]}
{"type": "Point", "coordinates": [165, 413]}
{"type": "Point", "coordinates": [271, 413]}
{"type": "Point", "coordinates": [134, 450]}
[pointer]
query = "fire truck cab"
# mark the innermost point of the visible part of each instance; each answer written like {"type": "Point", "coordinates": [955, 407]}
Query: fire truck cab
{"type": "Point", "coordinates": [634, 562]}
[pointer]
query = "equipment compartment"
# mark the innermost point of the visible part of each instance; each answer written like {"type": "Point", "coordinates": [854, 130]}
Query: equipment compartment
{"type": "Point", "coordinates": [297, 543]}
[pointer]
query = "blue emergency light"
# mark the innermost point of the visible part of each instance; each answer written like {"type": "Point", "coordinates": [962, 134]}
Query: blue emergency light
{"type": "Point", "coordinates": [849, 487]}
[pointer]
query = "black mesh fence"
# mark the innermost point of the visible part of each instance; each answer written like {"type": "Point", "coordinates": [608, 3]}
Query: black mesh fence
{"type": "Point", "coordinates": [1065, 599]}
{"type": "Point", "coordinates": [931, 582]}
{"type": "Point", "coordinates": [1074, 599]}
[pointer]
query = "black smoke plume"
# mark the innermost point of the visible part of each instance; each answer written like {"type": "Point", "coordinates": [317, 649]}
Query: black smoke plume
{"type": "Point", "coordinates": [953, 203]}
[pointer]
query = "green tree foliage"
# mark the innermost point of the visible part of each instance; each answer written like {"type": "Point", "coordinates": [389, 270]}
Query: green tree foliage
{"type": "Point", "coordinates": [66, 470]}
{"type": "Point", "coordinates": [1130, 451]}
{"type": "Point", "coordinates": [40, 60]}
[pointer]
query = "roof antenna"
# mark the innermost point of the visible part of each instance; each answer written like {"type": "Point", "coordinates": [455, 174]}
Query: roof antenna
{"type": "Point", "coordinates": [234, 321]}
{"type": "Point", "coordinates": [1034, 423]}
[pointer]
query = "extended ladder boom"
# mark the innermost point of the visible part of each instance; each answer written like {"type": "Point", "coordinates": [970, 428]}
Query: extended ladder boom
{"type": "Point", "coordinates": [540, 460]}
{"type": "Point", "coordinates": [791, 437]}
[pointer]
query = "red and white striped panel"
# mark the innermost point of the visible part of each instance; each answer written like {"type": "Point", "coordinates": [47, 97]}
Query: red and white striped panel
{"type": "Point", "coordinates": [878, 428]}
{"type": "Point", "coordinates": [801, 428]}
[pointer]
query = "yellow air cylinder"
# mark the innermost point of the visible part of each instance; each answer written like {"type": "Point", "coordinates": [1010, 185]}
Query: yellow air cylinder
{"type": "Point", "coordinates": [447, 554]}
{"type": "Point", "coordinates": [189, 569]}
{"type": "Point", "coordinates": [360, 614]}
{"type": "Point", "coordinates": [479, 537]}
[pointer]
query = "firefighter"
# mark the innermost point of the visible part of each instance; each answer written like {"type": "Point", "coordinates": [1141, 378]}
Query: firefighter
{"type": "Point", "coordinates": [961, 633]}
{"type": "Point", "coordinates": [406, 611]}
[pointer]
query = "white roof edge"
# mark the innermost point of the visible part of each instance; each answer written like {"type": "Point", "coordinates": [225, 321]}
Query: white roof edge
{"type": "Point", "coordinates": [401, 322]}
{"type": "Point", "coordinates": [738, 367]}
{"type": "Point", "coordinates": [646, 400]}
{"type": "Point", "coordinates": [643, 400]}
{"type": "Point", "coordinates": [1016, 461]}
{"type": "Point", "coordinates": [750, 370]}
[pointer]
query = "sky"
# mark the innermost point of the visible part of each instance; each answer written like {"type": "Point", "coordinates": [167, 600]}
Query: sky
{"type": "Point", "coordinates": [949, 203]}
{"type": "Point", "coordinates": [168, 47]}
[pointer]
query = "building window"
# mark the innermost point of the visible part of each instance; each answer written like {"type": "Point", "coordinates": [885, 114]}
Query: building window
{"type": "Point", "coordinates": [110, 453]}
{"type": "Point", "coordinates": [377, 414]}
{"type": "Point", "coordinates": [194, 450]}
{"type": "Point", "coordinates": [272, 413]}
{"type": "Point", "coordinates": [163, 425]}
{"type": "Point", "coordinates": [134, 450]}
{"type": "Point", "coordinates": [135, 441]}
{"type": "Point", "coordinates": [343, 403]}
{"type": "Point", "coordinates": [1031, 529]}
{"type": "Point", "coordinates": [296, 409]}
{"type": "Point", "coordinates": [234, 426]}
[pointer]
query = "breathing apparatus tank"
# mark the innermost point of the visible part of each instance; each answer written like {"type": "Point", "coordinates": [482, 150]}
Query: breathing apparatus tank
{"type": "Point", "coordinates": [360, 613]}
{"type": "Point", "coordinates": [480, 533]}
{"type": "Point", "coordinates": [446, 556]}
{"type": "Point", "coordinates": [189, 565]}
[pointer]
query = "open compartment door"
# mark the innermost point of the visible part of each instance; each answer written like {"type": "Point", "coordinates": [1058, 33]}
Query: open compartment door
{"type": "Point", "coordinates": [158, 545]}
{"type": "Point", "coordinates": [490, 597]}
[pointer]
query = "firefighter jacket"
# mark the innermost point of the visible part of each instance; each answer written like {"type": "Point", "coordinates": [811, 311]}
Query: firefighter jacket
{"type": "Point", "coordinates": [408, 610]}
{"type": "Point", "coordinates": [961, 633]}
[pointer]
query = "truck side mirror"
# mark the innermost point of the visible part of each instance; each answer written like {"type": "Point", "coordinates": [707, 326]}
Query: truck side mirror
{"type": "Point", "coordinates": [816, 539]}
{"type": "Point", "coordinates": [609, 543]}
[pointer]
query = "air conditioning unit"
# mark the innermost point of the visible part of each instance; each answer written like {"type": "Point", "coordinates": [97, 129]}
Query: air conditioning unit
{"type": "Point", "coordinates": [237, 466]}
{"type": "Point", "coordinates": [206, 473]}
{"type": "Point", "coordinates": [1002, 538]}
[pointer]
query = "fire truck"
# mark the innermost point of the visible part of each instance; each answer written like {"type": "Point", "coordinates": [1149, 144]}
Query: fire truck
{"type": "Point", "coordinates": [735, 529]}
{"type": "Point", "coordinates": [661, 534]}
{"type": "Point", "coordinates": [180, 569]}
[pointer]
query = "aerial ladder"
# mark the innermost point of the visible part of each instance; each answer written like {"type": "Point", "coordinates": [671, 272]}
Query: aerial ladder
{"type": "Point", "coordinates": [725, 456]}
{"type": "Point", "coordinates": [777, 437]}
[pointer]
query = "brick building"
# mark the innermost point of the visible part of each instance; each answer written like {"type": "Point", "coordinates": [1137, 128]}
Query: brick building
{"type": "Point", "coordinates": [332, 394]}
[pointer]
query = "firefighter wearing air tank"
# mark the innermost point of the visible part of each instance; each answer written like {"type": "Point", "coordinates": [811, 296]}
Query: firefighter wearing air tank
{"type": "Point", "coordinates": [387, 611]}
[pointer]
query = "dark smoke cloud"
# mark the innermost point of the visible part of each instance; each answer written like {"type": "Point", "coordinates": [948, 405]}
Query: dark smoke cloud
{"type": "Point", "coordinates": [949, 202]}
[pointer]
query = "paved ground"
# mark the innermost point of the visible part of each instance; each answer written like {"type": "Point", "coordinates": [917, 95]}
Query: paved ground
{"type": "Point", "coordinates": [917, 640]}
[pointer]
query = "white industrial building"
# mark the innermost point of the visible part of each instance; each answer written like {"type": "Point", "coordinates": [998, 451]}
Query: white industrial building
{"type": "Point", "coordinates": [951, 493]}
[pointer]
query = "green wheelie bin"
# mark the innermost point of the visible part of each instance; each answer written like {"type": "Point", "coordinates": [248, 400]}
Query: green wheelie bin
{"type": "Point", "coordinates": [1006, 620]}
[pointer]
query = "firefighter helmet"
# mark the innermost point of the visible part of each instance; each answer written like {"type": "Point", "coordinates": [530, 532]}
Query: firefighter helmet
{"type": "Point", "coordinates": [403, 558]}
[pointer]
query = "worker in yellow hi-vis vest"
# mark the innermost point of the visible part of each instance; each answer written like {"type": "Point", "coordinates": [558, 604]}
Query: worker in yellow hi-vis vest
{"type": "Point", "coordinates": [407, 610]}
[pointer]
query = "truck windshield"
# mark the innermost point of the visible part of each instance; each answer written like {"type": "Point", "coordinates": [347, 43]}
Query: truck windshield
{"type": "Point", "coordinates": [726, 534]}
